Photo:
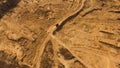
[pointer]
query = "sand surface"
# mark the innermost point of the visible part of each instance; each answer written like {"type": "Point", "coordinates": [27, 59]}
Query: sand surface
{"type": "Point", "coordinates": [59, 33]}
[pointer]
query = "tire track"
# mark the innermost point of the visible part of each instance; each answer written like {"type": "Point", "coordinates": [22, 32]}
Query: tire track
{"type": "Point", "coordinates": [53, 28]}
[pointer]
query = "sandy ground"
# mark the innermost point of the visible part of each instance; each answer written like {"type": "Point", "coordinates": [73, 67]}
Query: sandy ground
{"type": "Point", "coordinates": [59, 33]}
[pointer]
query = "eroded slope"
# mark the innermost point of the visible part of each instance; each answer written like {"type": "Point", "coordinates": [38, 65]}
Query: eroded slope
{"type": "Point", "coordinates": [59, 33]}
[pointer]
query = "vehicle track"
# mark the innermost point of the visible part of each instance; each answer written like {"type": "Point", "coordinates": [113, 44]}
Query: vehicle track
{"type": "Point", "coordinates": [61, 43]}
{"type": "Point", "coordinates": [53, 28]}
{"type": "Point", "coordinates": [73, 50]}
